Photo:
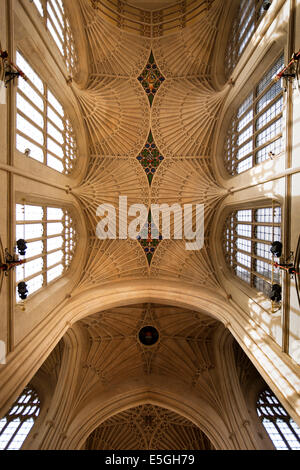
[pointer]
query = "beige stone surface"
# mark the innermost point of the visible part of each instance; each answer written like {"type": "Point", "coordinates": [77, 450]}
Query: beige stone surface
{"type": "Point", "coordinates": [76, 341]}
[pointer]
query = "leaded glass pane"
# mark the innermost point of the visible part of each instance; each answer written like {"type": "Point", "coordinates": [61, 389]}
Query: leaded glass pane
{"type": "Point", "coordinates": [44, 132]}
{"type": "Point", "coordinates": [282, 430]}
{"type": "Point", "coordinates": [248, 234]}
{"type": "Point", "coordinates": [16, 425]}
{"type": "Point", "coordinates": [254, 134]}
{"type": "Point", "coordinates": [50, 238]}
{"type": "Point", "coordinates": [268, 77]}
{"type": "Point", "coordinates": [247, 18]}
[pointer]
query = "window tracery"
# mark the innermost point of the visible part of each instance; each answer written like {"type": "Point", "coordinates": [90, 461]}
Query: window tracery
{"type": "Point", "coordinates": [248, 237]}
{"type": "Point", "coordinates": [43, 131]}
{"type": "Point", "coordinates": [58, 26]}
{"type": "Point", "coordinates": [50, 236]}
{"type": "Point", "coordinates": [283, 431]}
{"type": "Point", "coordinates": [16, 425]}
{"type": "Point", "coordinates": [245, 23]}
{"type": "Point", "coordinates": [255, 131]}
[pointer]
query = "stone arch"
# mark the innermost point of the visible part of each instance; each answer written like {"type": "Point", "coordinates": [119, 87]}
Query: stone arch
{"type": "Point", "coordinates": [136, 393]}
{"type": "Point", "coordinates": [270, 362]}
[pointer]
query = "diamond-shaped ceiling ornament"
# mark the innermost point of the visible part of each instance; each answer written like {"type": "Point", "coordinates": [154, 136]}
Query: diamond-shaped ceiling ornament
{"type": "Point", "coordinates": [151, 78]}
{"type": "Point", "coordinates": [146, 239]}
{"type": "Point", "coordinates": [150, 158]}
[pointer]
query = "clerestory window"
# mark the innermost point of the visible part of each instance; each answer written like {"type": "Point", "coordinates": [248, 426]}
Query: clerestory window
{"type": "Point", "coordinates": [16, 425]}
{"type": "Point", "coordinates": [255, 130]}
{"type": "Point", "coordinates": [248, 236]}
{"type": "Point", "coordinates": [283, 431]}
{"type": "Point", "coordinates": [246, 20]}
{"type": "Point", "coordinates": [43, 131]}
{"type": "Point", "coordinates": [56, 22]}
{"type": "Point", "coordinates": [50, 237]}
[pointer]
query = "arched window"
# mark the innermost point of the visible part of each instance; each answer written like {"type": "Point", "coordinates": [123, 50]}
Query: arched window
{"type": "Point", "coordinates": [283, 431]}
{"type": "Point", "coordinates": [58, 26]}
{"type": "Point", "coordinates": [44, 131]}
{"type": "Point", "coordinates": [16, 425]}
{"type": "Point", "coordinates": [246, 20]}
{"type": "Point", "coordinates": [50, 238]}
{"type": "Point", "coordinates": [248, 236]}
{"type": "Point", "coordinates": [255, 129]}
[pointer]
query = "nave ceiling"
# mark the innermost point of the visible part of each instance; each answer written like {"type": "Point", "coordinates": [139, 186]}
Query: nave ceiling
{"type": "Point", "coordinates": [121, 391]}
{"type": "Point", "coordinates": [151, 136]}
{"type": "Point", "coordinates": [119, 118]}
{"type": "Point", "coordinates": [148, 427]}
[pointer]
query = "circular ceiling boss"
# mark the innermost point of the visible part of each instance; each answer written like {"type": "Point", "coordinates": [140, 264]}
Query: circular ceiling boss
{"type": "Point", "coordinates": [148, 335]}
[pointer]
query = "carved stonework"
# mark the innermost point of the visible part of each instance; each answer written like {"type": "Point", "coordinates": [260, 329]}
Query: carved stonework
{"type": "Point", "coordinates": [195, 43]}
{"type": "Point", "coordinates": [116, 351]}
{"type": "Point", "coordinates": [113, 52]}
{"type": "Point", "coordinates": [184, 115]}
{"type": "Point", "coordinates": [148, 427]}
{"type": "Point", "coordinates": [180, 115]}
{"type": "Point", "coordinates": [116, 113]}
{"type": "Point", "coordinates": [151, 19]}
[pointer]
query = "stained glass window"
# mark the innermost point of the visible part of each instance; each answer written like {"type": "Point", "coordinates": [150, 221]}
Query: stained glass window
{"type": "Point", "coordinates": [59, 27]}
{"type": "Point", "coordinates": [248, 236]}
{"type": "Point", "coordinates": [246, 21]}
{"type": "Point", "coordinates": [16, 425]}
{"type": "Point", "coordinates": [283, 431]}
{"type": "Point", "coordinates": [44, 132]}
{"type": "Point", "coordinates": [149, 238]}
{"type": "Point", "coordinates": [151, 78]}
{"type": "Point", "coordinates": [50, 237]}
{"type": "Point", "coordinates": [255, 131]}
{"type": "Point", "coordinates": [150, 158]}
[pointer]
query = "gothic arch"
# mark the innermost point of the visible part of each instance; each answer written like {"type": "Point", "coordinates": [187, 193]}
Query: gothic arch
{"type": "Point", "coordinates": [156, 393]}
{"type": "Point", "coordinates": [82, 404]}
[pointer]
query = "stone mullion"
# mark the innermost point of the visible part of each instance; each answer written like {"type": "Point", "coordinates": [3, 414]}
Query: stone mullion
{"type": "Point", "coordinates": [234, 247]}
{"type": "Point", "coordinates": [274, 421]}
{"type": "Point", "coordinates": [17, 412]}
{"type": "Point", "coordinates": [14, 434]}
{"type": "Point", "coordinates": [240, 40]}
{"type": "Point", "coordinates": [253, 260]}
{"type": "Point", "coordinates": [44, 238]}
{"type": "Point", "coordinates": [67, 34]}
{"type": "Point", "coordinates": [66, 133]}
{"type": "Point", "coordinates": [236, 135]}
{"type": "Point", "coordinates": [54, 26]}
{"type": "Point", "coordinates": [288, 423]}
{"type": "Point", "coordinates": [255, 19]}
{"type": "Point", "coordinates": [45, 116]}
{"type": "Point", "coordinates": [65, 138]}
{"type": "Point", "coordinates": [253, 239]}
{"type": "Point", "coordinates": [261, 129]}
{"type": "Point", "coordinates": [64, 239]}
{"type": "Point", "coordinates": [44, 253]}
{"type": "Point", "coordinates": [63, 26]}
{"type": "Point", "coordinates": [258, 6]}
{"type": "Point", "coordinates": [236, 250]}
{"type": "Point", "coordinates": [253, 128]}
{"type": "Point", "coordinates": [255, 132]}
{"type": "Point", "coordinates": [44, 6]}
{"type": "Point", "coordinates": [270, 412]}
{"type": "Point", "coordinates": [244, 16]}
{"type": "Point", "coordinates": [235, 146]}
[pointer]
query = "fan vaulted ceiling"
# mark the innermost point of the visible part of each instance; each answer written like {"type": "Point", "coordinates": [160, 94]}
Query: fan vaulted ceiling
{"type": "Point", "coordinates": [115, 353]}
{"type": "Point", "coordinates": [148, 427]}
{"type": "Point", "coordinates": [151, 4]}
{"type": "Point", "coordinates": [180, 116]}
